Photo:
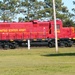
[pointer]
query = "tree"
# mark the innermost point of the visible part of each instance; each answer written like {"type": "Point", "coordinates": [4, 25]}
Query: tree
{"type": "Point", "coordinates": [62, 11]}
{"type": "Point", "coordinates": [69, 23]}
{"type": "Point", "coordinates": [73, 9]}
{"type": "Point", "coordinates": [31, 9]}
{"type": "Point", "coordinates": [8, 9]}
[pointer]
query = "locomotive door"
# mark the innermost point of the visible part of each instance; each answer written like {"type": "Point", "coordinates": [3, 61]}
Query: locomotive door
{"type": "Point", "coordinates": [58, 28]}
{"type": "Point", "coordinates": [50, 29]}
{"type": "Point", "coordinates": [44, 32]}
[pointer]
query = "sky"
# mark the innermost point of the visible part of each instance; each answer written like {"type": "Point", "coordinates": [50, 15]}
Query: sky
{"type": "Point", "coordinates": [69, 4]}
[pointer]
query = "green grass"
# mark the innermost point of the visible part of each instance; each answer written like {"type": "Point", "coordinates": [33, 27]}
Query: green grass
{"type": "Point", "coordinates": [37, 61]}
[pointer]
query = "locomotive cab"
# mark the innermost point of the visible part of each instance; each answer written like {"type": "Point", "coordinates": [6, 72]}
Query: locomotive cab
{"type": "Point", "coordinates": [63, 37]}
{"type": "Point", "coordinates": [52, 28]}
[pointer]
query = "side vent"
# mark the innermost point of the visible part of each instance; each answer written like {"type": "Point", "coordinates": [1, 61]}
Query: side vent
{"type": "Point", "coordinates": [35, 21]}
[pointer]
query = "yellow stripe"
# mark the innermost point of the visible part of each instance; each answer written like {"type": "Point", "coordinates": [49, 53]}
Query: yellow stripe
{"type": "Point", "coordinates": [35, 39]}
{"type": "Point", "coordinates": [24, 40]}
{"type": "Point", "coordinates": [57, 39]}
{"type": "Point", "coordinates": [11, 40]}
{"type": "Point", "coordinates": [58, 31]}
{"type": "Point", "coordinates": [73, 38]}
{"type": "Point", "coordinates": [43, 39]}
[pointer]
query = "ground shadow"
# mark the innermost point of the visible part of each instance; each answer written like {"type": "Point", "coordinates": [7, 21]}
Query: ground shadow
{"type": "Point", "coordinates": [60, 54]}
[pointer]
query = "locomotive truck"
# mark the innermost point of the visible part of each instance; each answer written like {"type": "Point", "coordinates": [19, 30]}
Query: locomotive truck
{"type": "Point", "coordinates": [15, 34]}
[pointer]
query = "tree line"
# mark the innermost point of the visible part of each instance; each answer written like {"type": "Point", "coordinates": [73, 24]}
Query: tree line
{"type": "Point", "coordinates": [34, 9]}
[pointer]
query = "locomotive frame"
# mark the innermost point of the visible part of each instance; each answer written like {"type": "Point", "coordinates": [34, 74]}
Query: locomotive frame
{"type": "Point", "coordinates": [15, 34]}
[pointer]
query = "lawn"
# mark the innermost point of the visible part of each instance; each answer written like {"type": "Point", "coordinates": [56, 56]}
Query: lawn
{"type": "Point", "coordinates": [37, 61]}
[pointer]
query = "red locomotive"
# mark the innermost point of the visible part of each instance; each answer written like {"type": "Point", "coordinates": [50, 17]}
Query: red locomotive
{"type": "Point", "coordinates": [16, 34]}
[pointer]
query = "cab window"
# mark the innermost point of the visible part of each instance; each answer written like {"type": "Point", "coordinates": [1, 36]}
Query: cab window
{"type": "Point", "coordinates": [58, 27]}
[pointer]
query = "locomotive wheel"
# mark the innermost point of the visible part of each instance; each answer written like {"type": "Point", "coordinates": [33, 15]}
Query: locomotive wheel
{"type": "Point", "coordinates": [53, 44]}
{"type": "Point", "coordinates": [61, 44]}
{"type": "Point", "coordinates": [13, 45]}
{"type": "Point", "coordinates": [50, 45]}
{"type": "Point", "coordinates": [16, 45]}
{"type": "Point", "coordinates": [5, 46]}
{"type": "Point", "coordinates": [66, 44]}
{"type": "Point", "coordinates": [69, 45]}
{"type": "Point", "coordinates": [0, 45]}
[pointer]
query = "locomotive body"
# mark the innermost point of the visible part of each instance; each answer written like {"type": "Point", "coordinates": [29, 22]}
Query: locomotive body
{"type": "Point", "coordinates": [16, 34]}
